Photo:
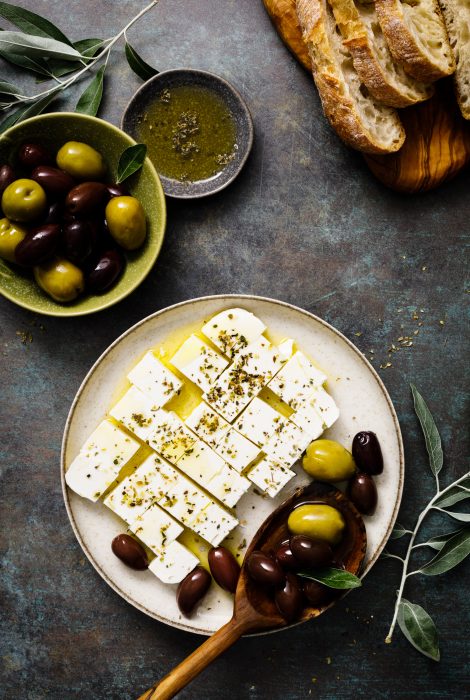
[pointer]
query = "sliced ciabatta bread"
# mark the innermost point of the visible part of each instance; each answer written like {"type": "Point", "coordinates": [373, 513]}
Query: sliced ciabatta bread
{"type": "Point", "coordinates": [360, 121]}
{"type": "Point", "coordinates": [417, 37]}
{"type": "Point", "coordinates": [457, 18]}
{"type": "Point", "coordinates": [386, 80]}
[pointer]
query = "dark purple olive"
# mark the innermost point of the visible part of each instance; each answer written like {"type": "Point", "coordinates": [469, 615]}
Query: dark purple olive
{"type": "Point", "coordinates": [310, 552]}
{"type": "Point", "coordinates": [79, 240]}
{"type": "Point", "coordinates": [31, 155]}
{"type": "Point", "coordinates": [265, 570]}
{"type": "Point", "coordinates": [115, 190]}
{"type": "Point", "coordinates": [54, 214]}
{"type": "Point", "coordinates": [54, 182]}
{"type": "Point", "coordinates": [192, 589]}
{"type": "Point", "coordinates": [130, 552]}
{"type": "Point", "coordinates": [285, 557]}
{"type": "Point", "coordinates": [87, 199]}
{"type": "Point", "coordinates": [289, 600]}
{"type": "Point", "coordinates": [224, 568]}
{"type": "Point", "coordinates": [104, 272]}
{"type": "Point", "coordinates": [367, 453]}
{"type": "Point", "coordinates": [317, 594]}
{"type": "Point", "coordinates": [362, 491]}
{"type": "Point", "coordinates": [38, 245]}
{"type": "Point", "coordinates": [7, 176]}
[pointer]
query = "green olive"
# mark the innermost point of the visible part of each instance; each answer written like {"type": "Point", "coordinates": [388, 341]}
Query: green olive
{"type": "Point", "coordinates": [318, 521]}
{"type": "Point", "coordinates": [126, 221]}
{"type": "Point", "coordinates": [10, 235]}
{"type": "Point", "coordinates": [59, 278]}
{"type": "Point", "coordinates": [24, 200]}
{"type": "Point", "coordinates": [81, 161]}
{"type": "Point", "coordinates": [327, 460]}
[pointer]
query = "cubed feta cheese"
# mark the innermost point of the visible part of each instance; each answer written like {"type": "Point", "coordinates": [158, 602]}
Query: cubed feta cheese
{"type": "Point", "coordinates": [207, 424]}
{"type": "Point", "coordinates": [154, 379]}
{"type": "Point", "coordinates": [286, 445]}
{"type": "Point", "coordinates": [307, 418]}
{"type": "Point", "coordinates": [156, 528]}
{"type": "Point", "coordinates": [136, 412]}
{"type": "Point", "coordinates": [286, 349]}
{"type": "Point", "coordinates": [173, 563]}
{"type": "Point", "coordinates": [232, 329]}
{"type": "Point", "coordinates": [236, 450]}
{"type": "Point", "coordinates": [100, 460]}
{"type": "Point", "coordinates": [269, 476]}
{"type": "Point", "coordinates": [297, 380]}
{"type": "Point", "coordinates": [325, 406]}
{"type": "Point", "coordinates": [228, 486]}
{"type": "Point", "coordinates": [214, 524]}
{"type": "Point", "coordinates": [258, 421]}
{"type": "Point", "coordinates": [169, 436]}
{"type": "Point", "coordinates": [184, 500]}
{"type": "Point", "coordinates": [201, 463]}
{"type": "Point", "coordinates": [199, 362]}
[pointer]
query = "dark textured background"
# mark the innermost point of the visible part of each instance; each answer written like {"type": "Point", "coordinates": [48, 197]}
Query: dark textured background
{"type": "Point", "coordinates": [307, 223]}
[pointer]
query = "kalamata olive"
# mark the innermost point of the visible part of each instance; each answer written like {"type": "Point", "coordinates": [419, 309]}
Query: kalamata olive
{"type": "Point", "coordinates": [362, 491]}
{"type": "Point", "coordinates": [316, 593]}
{"type": "Point", "coordinates": [38, 245]}
{"type": "Point", "coordinates": [129, 551]}
{"type": "Point", "coordinates": [105, 271]}
{"type": "Point", "coordinates": [115, 190]}
{"type": "Point", "coordinates": [310, 552]}
{"type": "Point", "coordinates": [265, 570]}
{"type": "Point", "coordinates": [318, 521]}
{"type": "Point", "coordinates": [33, 154]}
{"type": "Point", "coordinates": [54, 214]}
{"type": "Point", "coordinates": [79, 240]}
{"type": "Point", "coordinates": [367, 453]}
{"type": "Point", "coordinates": [289, 599]}
{"type": "Point", "coordinates": [224, 568]}
{"type": "Point", "coordinates": [192, 589]}
{"type": "Point", "coordinates": [7, 176]}
{"type": "Point", "coordinates": [285, 557]}
{"type": "Point", "coordinates": [54, 181]}
{"type": "Point", "coordinates": [86, 199]}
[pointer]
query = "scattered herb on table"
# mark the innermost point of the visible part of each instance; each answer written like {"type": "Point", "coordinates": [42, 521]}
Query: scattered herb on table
{"type": "Point", "coordinates": [452, 547]}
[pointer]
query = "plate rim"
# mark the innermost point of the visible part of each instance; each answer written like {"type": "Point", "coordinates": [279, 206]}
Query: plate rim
{"type": "Point", "coordinates": [211, 297]}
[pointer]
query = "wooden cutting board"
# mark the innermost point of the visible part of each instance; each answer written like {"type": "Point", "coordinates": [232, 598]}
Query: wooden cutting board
{"type": "Point", "coordinates": [437, 144]}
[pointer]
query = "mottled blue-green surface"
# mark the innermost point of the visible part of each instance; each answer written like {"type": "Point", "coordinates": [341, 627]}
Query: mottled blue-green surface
{"type": "Point", "coordinates": [307, 223]}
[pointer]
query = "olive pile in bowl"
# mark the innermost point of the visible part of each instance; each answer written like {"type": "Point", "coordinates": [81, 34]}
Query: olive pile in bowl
{"type": "Point", "coordinates": [64, 222]}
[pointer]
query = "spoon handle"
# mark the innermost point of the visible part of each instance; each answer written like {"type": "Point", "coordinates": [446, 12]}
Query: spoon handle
{"type": "Point", "coordinates": [188, 669]}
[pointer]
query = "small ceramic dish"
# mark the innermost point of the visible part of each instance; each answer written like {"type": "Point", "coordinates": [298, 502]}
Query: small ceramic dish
{"type": "Point", "coordinates": [53, 130]}
{"type": "Point", "coordinates": [169, 79]}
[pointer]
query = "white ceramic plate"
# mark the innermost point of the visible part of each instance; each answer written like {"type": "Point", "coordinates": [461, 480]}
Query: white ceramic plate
{"type": "Point", "coordinates": [364, 405]}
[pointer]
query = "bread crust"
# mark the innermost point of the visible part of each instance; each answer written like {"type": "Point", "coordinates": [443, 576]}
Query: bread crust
{"type": "Point", "coordinates": [338, 106]}
{"type": "Point", "coordinates": [404, 46]}
{"type": "Point", "coordinates": [456, 17]}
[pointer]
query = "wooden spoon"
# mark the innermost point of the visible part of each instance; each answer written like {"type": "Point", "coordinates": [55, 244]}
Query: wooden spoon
{"type": "Point", "coordinates": [254, 609]}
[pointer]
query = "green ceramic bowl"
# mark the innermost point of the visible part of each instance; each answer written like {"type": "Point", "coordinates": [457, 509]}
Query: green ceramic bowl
{"type": "Point", "coordinates": [53, 130]}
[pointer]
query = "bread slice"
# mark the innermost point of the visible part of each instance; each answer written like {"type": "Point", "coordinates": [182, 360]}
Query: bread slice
{"type": "Point", "coordinates": [386, 81]}
{"type": "Point", "coordinates": [360, 121]}
{"type": "Point", "coordinates": [457, 18]}
{"type": "Point", "coordinates": [417, 37]}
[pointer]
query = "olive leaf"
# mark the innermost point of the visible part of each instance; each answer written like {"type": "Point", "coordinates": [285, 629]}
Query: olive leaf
{"type": "Point", "coordinates": [90, 100]}
{"type": "Point", "coordinates": [462, 517]}
{"type": "Point", "coordinates": [8, 89]}
{"type": "Point", "coordinates": [333, 578]}
{"type": "Point", "coordinates": [452, 553]}
{"type": "Point", "coordinates": [89, 47]}
{"type": "Point", "coordinates": [431, 434]}
{"type": "Point", "coordinates": [31, 23]}
{"type": "Point", "coordinates": [34, 65]}
{"type": "Point", "coordinates": [138, 65]}
{"type": "Point", "coordinates": [130, 161]}
{"type": "Point", "coordinates": [452, 496]}
{"type": "Point", "coordinates": [418, 628]}
{"type": "Point", "coordinates": [36, 46]}
{"type": "Point", "coordinates": [28, 110]}
{"type": "Point", "coordinates": [439, 541]}
{"type": "Point", "coordinates": [398, 531]}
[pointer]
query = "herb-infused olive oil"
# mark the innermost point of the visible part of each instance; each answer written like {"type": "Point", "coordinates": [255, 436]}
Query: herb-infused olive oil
{"type": "Point", "coordinates": [190, 133]}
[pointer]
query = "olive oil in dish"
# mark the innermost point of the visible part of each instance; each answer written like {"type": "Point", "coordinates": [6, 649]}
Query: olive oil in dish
{"type": "Point", "coordinates": [190, 133]}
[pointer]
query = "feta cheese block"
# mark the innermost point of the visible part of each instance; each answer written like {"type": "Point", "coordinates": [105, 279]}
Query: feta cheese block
{"type": "Point", "coordinates": [154, 379]}
{"type": "Point", "coordinates": [169, 436]}
{"type": "Point", "coordinates": [307, 418]}
{"type": "Point", "coordinates": [183, 500]}
{"type": "Point", "coordinates": [233, 329]}
{"type": "Point", "coordinates": [199, 362]}
{"type": "Point", "coordinates": [237, 450]}
{"type": "Point", "coordinates": [100, 460]}
{"type": "Point", "coordinates": [297, 380]}
{"type": "Point", "coordinates": [173, 563]}
{"type": "Point", "coordinates": [136, 412]}
{"type": "Point", "coordinates": [228, 486]}
{"type": "Point", "coordinates": [207, 424]}
{"type": "Point", "coordinates": [325, 406]}
{"type": "Point", "coordinates": [286, 349]}
{"type": "Point", "coordinates": [287, 443]}
{"type": "Point", "coordinates": [214, 524]}
{"type": "Point", "coordinates": [258, 421]}
{"type": "Point", "coordinates": [269, 476]}
{"type": "Point", "coordinates": [156, 528]}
